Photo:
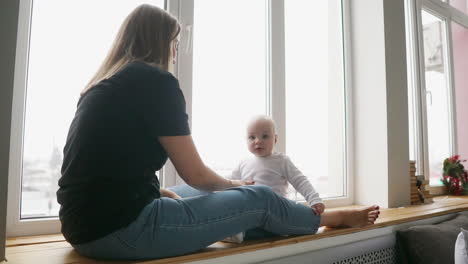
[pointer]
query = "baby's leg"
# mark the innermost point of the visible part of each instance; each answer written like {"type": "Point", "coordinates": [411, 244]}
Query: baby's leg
{"type": "Point", "coordinates": [350, 217]}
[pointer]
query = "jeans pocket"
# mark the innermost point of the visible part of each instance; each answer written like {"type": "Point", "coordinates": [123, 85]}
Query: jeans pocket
{"type": "Point", "coordinates": [131, 234]}
{"type": "Point", "coordinates": [127, 238]}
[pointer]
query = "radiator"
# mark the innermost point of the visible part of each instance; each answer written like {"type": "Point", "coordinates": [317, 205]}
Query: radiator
{"type": "Point", "coordinates": [382, 256]}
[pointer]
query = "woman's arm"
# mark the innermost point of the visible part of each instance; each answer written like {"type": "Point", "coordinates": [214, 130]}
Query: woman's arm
{"type": "Point", "coordinates": [184, 155]}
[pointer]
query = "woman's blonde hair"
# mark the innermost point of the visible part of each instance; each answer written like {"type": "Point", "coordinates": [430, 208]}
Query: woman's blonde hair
{"type": "Point", "coordinates": [145, 35]}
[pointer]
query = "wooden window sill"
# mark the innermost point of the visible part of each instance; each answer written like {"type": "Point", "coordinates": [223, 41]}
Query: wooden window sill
{"type": "Point", "coordinates": [54, 249]}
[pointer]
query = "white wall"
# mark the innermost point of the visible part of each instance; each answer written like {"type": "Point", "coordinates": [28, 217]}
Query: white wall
{"type": "Point", "coordinates": [460, 63]}
{"type": "Point", "coordinates": [9, 10]}
{"type": "Point", "coordinates": [380, 102]}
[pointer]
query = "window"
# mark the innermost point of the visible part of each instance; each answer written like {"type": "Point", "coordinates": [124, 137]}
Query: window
{"type": "Point", "coordinates": [260, 64]}
{"type": "Point", "coordinates": [234, 79]}
{"type": "Point", "coordinates": [437, 94]}
{"type": "Point", "coordinates": [229, 78]}
{"type": "Point", "coordinates": [315, 94]}
{"type": "Point", "coordinates": [64, 52]}
{"type": "Point", "coordinates": [414, 102]}
{"type": "Point", "coordinates": [439, 91]}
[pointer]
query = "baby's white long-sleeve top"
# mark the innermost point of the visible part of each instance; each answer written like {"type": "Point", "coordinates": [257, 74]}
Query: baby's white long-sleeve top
{"type": "Point", "coordinates": [276, 171]}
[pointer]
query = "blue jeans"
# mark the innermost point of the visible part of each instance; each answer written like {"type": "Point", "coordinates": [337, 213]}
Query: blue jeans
{"type": "Point", "coordinates": [168, 227]}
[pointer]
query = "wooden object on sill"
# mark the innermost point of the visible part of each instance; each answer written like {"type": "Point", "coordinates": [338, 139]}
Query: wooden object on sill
{"type": "Point", "coordinates": [425, 193]}
{"type": "Point", "coordinates": [415, 196]}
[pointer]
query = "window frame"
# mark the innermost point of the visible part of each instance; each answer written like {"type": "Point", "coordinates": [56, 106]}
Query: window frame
{"type": "Point", "coordinates": [448, 14]}
{"type": "Point", "coordinates": [16, 226]}
{"type": "Point", "coordinates": [417, 82]}
{"type": "Point", "coordinates": [350, 149]}
{"type": "Point", "coordinates": [9, 11]}
{"type": "Point", "coordinates": [276, 107]}
{"type": "Point", "coordinates": [184, 11]}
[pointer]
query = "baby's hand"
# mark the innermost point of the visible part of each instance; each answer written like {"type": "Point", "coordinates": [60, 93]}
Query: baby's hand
{"type": "Point", "coordinates": [318, 208]}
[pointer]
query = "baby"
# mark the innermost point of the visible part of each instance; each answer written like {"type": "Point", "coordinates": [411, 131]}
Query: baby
{"type": "Point", "coordinates": [271, 168]}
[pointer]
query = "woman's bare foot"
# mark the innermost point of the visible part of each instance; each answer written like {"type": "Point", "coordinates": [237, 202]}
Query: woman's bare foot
{"type": "Point", "coordinates": [350, 217]}
{"type": "Point", "coordinates": [361, 217]}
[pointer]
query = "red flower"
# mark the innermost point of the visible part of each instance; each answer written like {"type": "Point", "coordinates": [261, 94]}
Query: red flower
{"type": "Point", "coordinates": [454, 158]}
{"type": "Point", "coordinates": [454, 175]}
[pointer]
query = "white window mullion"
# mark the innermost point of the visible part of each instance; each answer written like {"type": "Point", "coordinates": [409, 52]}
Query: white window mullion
{"type": "Point", "coordinates": [422, 93]}
{"type": "Point", "coordinates": [451, 84]}
{"type": "Point", "coordinates": [9, 12]}
{"type": "Point", "coordinates": [183, 10]}
{"type": "Point", "coordinates": [276, 66]}
{"type": "Point", "coordinates": [417, 82]}
{"type": "Point", "coordinates": [349, 128]}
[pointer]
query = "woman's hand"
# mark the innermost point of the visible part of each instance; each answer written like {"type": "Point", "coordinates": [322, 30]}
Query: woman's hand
{"type": "Point", "coordinates": [169, 194]}
{"type": "Point", "coordinates": [188, 164]}
{"type": "Point", "coordinates": [237, 183]}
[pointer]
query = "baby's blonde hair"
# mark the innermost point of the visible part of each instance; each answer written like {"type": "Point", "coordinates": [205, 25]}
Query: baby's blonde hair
{"type": "Point", "coordinates": [263, 118]}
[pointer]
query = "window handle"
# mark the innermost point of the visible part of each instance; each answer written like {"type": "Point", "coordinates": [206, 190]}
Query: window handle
{"type": "Point", "coordinates": [189, 40]}
{"type": "Point", "coordinates": [429, 98]}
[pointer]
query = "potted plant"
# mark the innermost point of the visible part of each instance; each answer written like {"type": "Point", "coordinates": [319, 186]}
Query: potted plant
{"type": "Point", "coordinates": [454, 176]}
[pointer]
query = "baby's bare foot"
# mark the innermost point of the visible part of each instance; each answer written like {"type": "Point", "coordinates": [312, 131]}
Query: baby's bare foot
{"type": "Point", "coordinates": [361, 217]}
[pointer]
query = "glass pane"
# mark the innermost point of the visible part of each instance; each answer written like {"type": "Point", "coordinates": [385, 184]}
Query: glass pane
{"type": "Point", "coordinates": [437, 96]}
{"type": "Point", "coordinates": [315, 106]}
{"type": "Point", "coordinates": [229, 77]}
{"type": "Point", "coordinates": [461, 5]}
{"type": "Point", "coordinates": [65, 49]}
{"type": "Point", "coordinates": [460, 63]}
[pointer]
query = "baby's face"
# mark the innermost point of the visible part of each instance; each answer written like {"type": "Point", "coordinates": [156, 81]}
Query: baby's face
{"type": "Point", "coordinates": [261, 138]}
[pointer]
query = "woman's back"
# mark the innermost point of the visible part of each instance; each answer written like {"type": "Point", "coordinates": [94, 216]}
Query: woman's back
{"type": "Point", "coordinates": [112, 150]}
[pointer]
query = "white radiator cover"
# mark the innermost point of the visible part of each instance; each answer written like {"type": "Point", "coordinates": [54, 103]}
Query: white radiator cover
{"type": "Point", "coordinates": [374, 250]}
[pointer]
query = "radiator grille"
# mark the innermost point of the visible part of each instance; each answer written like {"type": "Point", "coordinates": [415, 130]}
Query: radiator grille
{"type": "Point", "coordinates": [382, 256]}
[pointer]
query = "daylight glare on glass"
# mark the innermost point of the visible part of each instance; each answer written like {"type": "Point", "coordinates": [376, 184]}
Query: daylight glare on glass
{"type": "Point", "coordinates": [66, 48]}
{"type": "Point", "coordinates": [315, 93]}
{"type": "Point", "coordinates": [229, 77]}
{"type": "Point", "coordinates": [230, 84]}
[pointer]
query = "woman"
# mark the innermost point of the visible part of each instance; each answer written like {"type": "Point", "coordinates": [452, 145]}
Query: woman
{"type": "Point", "coordinates": [130, 119]}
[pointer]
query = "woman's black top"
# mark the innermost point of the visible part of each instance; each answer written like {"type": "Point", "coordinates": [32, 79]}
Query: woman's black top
{"type": "Point", "coordinates": [112, 151]}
